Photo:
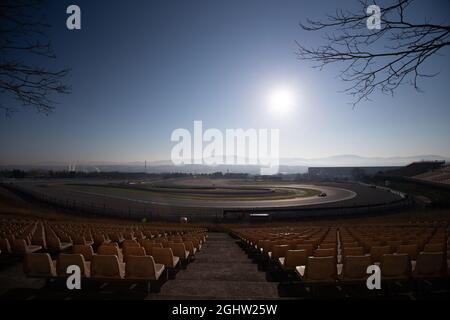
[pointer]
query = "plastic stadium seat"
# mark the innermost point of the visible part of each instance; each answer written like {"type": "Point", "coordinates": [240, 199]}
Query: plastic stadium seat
{"type": "Point", "coordinates": [165, 243]}
{"type": "Point", "coordinates": [83, 241]}
{"type": "Point", "coordinates": [149, 246]}
{"type": "Point", "coordinates": [55, 245]}
{"type": "Point", "coordinates": [292, 244]}
{"type": "Point", "coordinates": [267, 246]}
{"type": "Point", "coordinates": [130, 243]}
{"type": "Point", "coordinates": [180, 251]}
{"type": "Point", "coordinates": [107, 267]}
{"type": "Point", "coordinates": [39, 265]}
{"type": "Point", "coordinates": [325, 253]}
{"type": "Point", "coordinates": [318, 270]}
{"type": "Point", "coordinates": [139, 235]}
{"type": "Point", "coordinates": [278, 251]}
{"type": "Point", "coordinates": [376, 252]}
{"type": "Point", "coordinates": [129, 236]}
{"type": "Point", "coordinates": [394, 244]}
{"type": "Point", "coordinates": [85, 250]}
{"type": "Point", "coordinates": [434, 247]}
{"type": "Point", "coordinates": [190, 247]}
{"type": "Point", "coordinates": [99, 239]}
{"type": "Point", "coordinates": [132, 251]}
{"type": "Point", "coordinates": [5, 247]}
{"type": "Point", "coordinates": [111, 244]}
{"type": "Point", "coordinates": [38, 237]}
{"type": "Point", "coordinates": [196, 242]}
{"type": "Point", "coordinates": [110, 250]}
{"type": "Point", "coordinates": [293, 259]}
{"type": "Point", "coordinates": [355, 268]}
{"type": "Point", "coordinates": [314, 242]}
{"type": "Point", "coordinates": [66, 260]}
{"type": "Point", "coordinates": [328, 246]}
{"type": "Point", "coordinates": [260, 244]}
{"type": "Point", "coordinates": [353, 251]}
{"type": "Point", "coordinates": [350, 244]}
{"type": "Point", "coordinates": [65, 238]}
{"type": "Point", "coordinates": [308, 247]}
{"type": "Point", "coordinates": [429, 265]}
{"type": "Point", "coordinates": [143, 268]}
{"type": "Point", "coordinates": [440, 240]}
{"type": "Point", "coordinates": [20, 247]}
{"type": "Point", "coordinates": [80, 240]}
{"type": "Point", "coordinates": [410, 249]}
{"type": "Point", "coordinates": [395, 266]}
{"type": "Point", "coordinates": [165, 256]}
{"type": "Point", "coordinates": [116, 237]}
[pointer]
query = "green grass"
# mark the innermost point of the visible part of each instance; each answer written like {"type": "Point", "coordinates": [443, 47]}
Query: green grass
{"type": "Point", "coordinates": [130, 192]}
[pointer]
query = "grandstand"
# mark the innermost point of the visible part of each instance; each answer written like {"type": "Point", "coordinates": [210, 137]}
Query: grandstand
{"type": "Point", "coordinates": [104, 252]}
{"type": "Point", "coordinates": [336, 256]}
{"type": "Point", "coordinates": [415, 168]}
{"type": "Point", "coordinates": [437, 175]}
{"type": "Point", "coordinates": [156, 260]}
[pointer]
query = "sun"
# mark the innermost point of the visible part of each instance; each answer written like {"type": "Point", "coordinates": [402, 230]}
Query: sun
{"type": "Point", "coordinates": [281, 101]}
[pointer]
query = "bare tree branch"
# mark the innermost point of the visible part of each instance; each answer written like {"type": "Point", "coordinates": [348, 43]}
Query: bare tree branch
{"type": "Point", "coordinates": [379, 59]}
{"type": "Point", "coordinates": [22, 41]}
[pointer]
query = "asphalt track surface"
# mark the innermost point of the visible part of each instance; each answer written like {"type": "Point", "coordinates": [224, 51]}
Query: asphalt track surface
{"type": "Point", "coordinates": [338, 195]}
{"type": "Point", "coordinates": [333, 195]}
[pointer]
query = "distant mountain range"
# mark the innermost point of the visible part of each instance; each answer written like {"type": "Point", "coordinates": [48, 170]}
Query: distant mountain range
{"type": "Point", "coordinates": [355, 160]}
{"type": "Point", "coordinates": [287, 165]}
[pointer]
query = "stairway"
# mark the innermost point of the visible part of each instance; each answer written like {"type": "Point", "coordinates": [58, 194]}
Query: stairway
{"type": "Point", "coordinates": [221, 270]}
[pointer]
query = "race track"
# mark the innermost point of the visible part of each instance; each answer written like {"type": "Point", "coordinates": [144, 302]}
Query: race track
{"type": "Point", "coordinates": [334, 194]}
{"type": "Point", "coordinates": [203, 199]}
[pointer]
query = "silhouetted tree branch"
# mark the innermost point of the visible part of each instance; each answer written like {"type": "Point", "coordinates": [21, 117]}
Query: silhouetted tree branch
{"type": "Point", "coordinates": [23, 43]}
{"type": "Point", "coordinates": [376, 59]}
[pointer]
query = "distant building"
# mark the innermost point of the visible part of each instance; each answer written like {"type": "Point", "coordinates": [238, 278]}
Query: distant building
{"type": "Point", "coordinates": [319, 173]}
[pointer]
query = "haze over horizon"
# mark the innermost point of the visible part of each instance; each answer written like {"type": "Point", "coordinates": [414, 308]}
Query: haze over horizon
{"type": "Point", "coordinates": [336, 160]}
{"type": "Point", "coordinates": [157, 66]}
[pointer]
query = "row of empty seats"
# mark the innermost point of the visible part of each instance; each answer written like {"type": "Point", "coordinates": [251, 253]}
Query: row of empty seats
{"type": "Point", "coordinates": [27, 236]}
{"type": "Point", "coordinates": [342, 254]}
{"type": "Point", "coordinates": [103, 252]}
{"type": "Point", "coordinates": [101, 267]}
{"type": "Point", "coordinates": [439, 175]}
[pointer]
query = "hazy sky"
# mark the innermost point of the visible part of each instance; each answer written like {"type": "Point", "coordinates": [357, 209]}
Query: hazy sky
{"type": "Point", "coordinates": [141, 69]}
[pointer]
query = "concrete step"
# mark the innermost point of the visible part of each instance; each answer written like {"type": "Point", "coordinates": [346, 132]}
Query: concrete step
{"type": "Point", "coordinates": [222, 274]}
{"type": "Point", "coordinates": [221, 259]}
{"type": "Point", "coordinates": [220, 271]}
{"type": "Point", "coordinates": [218, 289]}
{"type": "Point", "coordinates": [235, 267]}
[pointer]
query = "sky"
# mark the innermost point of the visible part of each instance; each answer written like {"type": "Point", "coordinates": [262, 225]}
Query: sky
{"type": "Point", "coordinates": [141, 69]}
